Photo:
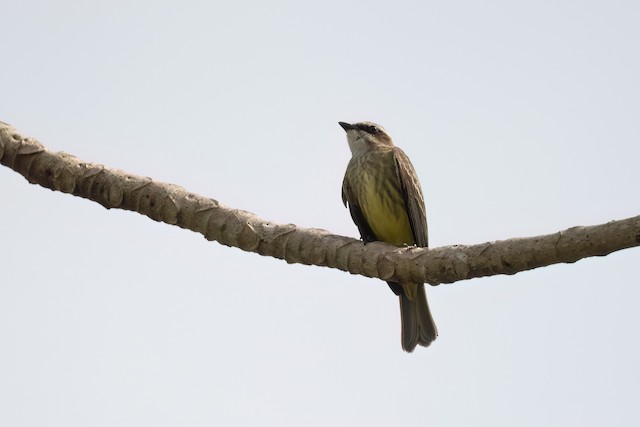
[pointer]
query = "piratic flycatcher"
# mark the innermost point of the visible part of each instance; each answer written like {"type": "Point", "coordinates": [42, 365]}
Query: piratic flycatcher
{"type": "Point", "coordinates": [383, 194]}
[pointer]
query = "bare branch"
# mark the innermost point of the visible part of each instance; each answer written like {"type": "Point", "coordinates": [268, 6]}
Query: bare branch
{"type": "Point", "coordinates": [174, 205]}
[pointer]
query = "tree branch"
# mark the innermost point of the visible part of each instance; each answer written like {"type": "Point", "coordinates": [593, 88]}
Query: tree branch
{"type": "Point", "coordinates": [174, 205]}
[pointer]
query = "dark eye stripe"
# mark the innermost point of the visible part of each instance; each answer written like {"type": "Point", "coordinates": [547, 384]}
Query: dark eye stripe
{"type": "Point", "coordinates": [369, 129]}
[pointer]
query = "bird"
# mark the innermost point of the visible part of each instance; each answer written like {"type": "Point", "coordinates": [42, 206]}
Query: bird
{"type": "Point", "coordinates": [384, 197]}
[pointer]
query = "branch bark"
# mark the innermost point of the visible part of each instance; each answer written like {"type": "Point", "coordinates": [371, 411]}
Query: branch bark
{"type": "Point", "coordinates": [174, 205]}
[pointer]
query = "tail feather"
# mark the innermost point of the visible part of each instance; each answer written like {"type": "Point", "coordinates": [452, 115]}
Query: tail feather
{"type": "Point", "coordinates": [418, 327]}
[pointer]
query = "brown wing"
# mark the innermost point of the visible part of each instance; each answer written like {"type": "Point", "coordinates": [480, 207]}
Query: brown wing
{"type": "Point", "coordinates": [413, 199]}
{"type": "Point", "coordinates": [350, 201]}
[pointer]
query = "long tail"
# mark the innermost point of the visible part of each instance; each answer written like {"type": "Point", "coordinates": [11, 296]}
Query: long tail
{"type": "Point", "coordinates": [418, 327]}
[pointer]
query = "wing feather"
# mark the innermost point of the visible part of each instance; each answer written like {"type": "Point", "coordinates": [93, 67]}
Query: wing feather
{"type": "Point", "coordinates": [413, 199]}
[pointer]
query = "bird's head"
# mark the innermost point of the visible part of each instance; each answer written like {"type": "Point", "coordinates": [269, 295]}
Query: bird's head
{"type": "Point", "coordinates": [364, 136]}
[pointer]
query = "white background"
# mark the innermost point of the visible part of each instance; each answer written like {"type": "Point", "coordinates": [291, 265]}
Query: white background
{"type": "Point", "coordinates": [521, 118]}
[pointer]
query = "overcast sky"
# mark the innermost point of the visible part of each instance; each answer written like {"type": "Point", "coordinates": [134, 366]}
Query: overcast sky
{"type": "Point", "coordinates": [521, 118]}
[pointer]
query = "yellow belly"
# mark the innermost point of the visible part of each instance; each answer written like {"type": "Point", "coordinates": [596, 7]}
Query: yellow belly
{"type": "Point", "coordinates": [383, 207]}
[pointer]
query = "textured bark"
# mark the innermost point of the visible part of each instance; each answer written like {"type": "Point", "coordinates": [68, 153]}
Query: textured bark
{"type": "Point", "coordinates": [174, 205]}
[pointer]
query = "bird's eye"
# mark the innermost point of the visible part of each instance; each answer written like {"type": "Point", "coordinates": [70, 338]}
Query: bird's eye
{"type": "Point", "coordinates": [373, 129]}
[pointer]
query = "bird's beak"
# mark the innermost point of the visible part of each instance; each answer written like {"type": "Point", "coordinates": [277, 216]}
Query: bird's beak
{"type": "Point", "coordinates": [346, 126]}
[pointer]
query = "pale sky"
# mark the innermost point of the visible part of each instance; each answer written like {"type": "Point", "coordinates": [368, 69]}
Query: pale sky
{"type": "Point", "coordinates": [521, 118]}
